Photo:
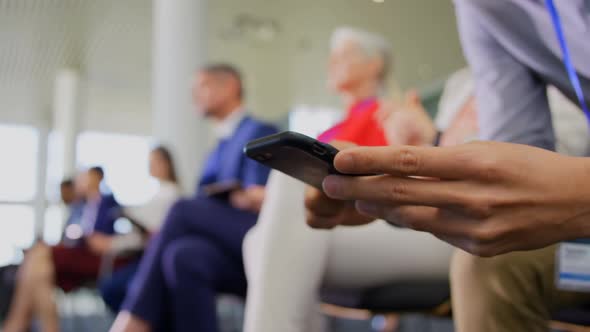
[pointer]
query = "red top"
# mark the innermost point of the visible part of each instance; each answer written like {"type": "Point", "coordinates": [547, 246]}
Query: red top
{"type": "Point", "coordinates": [359, 127]}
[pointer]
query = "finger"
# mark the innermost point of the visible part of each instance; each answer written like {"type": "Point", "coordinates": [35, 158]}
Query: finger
{"type": "Point", "coordinates": [440, 162]}
{"type": "Point", "coordinates": [439, 222]}
{"type": "Point", "coordinates": [320, 204]}
{"type": "Point", "coordinates": [465, 245]}
{"type": "Point", "coordinates": [476, 248]}
{"type": "Point", "coordinates": [387, 189]}
{"type": "Point", "coordinates": [320, 222]}
{"type": "Point", "coordinates": [458, 242]}
{"type": "Point", "coordinates": [343, 145]}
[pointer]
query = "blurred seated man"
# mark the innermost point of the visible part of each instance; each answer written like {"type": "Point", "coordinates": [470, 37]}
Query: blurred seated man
{"type": "Point", "coordinates": [287, 262]}
{"type": "Point", "coordinates": [68, 265]}
{"type": "Point", "coordinates": [198, 252]}
{"type": "Point", "coordinates": [147, 218]}
{"type": "Point", "coordinates": [73, 198]}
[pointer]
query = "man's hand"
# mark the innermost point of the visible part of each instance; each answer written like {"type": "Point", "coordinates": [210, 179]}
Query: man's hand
{"type": "Point", "coordinates": [486, 198]}
{"type": "Point", "coordinates": [407, 123]}
{"type": "Point", "coordinates": [249, 199]}
{"type": "Point", "coordinates": [324, 212]}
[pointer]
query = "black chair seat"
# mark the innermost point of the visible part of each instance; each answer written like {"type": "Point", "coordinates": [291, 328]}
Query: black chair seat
{"type": "Point", "coordinates": [418, 296]}
{"type": "Point", "coordinates": [402, 296]}
{"type": "Point", "coordinates": [576, 316]}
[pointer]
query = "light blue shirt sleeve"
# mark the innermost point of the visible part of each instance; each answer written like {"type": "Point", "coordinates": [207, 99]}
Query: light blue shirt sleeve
{"type": "Point", "coordinates": [511, 101]}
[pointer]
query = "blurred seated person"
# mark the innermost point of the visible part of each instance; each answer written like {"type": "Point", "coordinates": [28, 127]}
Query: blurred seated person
{"type": "Point", "coordinates": [198, 252]}
{"type": "Point", "coordinates": [147, 219]}
{"type": "Point", "coordinates": [73, 199]}
{"type": "Point", "coordinates": [68, 265]}
{"type": "Point", "coordinates": [287, 263]}
{"type": "Point", "coordinates": [70, 196]}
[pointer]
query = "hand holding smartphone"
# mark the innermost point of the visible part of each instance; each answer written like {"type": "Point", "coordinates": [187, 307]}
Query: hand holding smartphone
{"type": "Point", "coordinates": [294, 154]}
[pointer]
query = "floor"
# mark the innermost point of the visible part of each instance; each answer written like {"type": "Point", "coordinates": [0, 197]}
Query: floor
{"type": "Point", "coordinates": [83, 311]}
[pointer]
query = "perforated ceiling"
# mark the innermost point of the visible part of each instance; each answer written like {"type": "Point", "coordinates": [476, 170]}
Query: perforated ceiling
{"type": "Point", "coordinates": [107, 40]}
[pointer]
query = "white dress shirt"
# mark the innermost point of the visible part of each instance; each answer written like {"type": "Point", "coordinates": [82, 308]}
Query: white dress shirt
{"type": "Point", "coordinates": [226, 128]}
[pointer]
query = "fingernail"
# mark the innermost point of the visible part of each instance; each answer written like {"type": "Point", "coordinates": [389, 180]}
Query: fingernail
{"type": "Point", "coordinates": [366, 208]}
{"type": "Point", "coordinates": [332, 186]}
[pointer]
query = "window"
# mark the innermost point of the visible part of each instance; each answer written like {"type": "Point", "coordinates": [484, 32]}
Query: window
{"type": "Point", "coordinates": [18, 179]}
{"type": "Point", "coordinates": [17, 225]}
{"type": "Point", "coordinates": [124, 159]}
{"type": "Point", "coordinates": [18, 173]}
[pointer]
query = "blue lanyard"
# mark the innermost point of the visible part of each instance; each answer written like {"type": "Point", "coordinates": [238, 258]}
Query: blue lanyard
{"type": "Point", "coordinates": [569, 67]}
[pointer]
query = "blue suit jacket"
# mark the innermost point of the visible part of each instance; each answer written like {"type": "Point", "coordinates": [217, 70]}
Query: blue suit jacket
{"type": "Point", "coordinates": [228, 163]}
{"type": "Point", "coordinates": [106, 215]}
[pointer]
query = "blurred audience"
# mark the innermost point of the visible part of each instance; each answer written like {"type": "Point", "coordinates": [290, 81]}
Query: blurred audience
{"type": "Point", "coordinates": [67, 265]}
{"type": "Point", "coordinates": [197, 253]}
{"type": "Point", "coordinates": [147, 219]}
{"type": "Point", "coordinates": [287, 262]}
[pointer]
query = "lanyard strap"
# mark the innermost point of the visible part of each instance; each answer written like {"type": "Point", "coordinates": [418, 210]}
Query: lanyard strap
{"type": "Point", "coordinates": [569, 67]}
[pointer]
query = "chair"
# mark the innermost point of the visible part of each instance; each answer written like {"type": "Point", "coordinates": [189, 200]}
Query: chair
{"type": "Point", "coordinates": [83, 309]}
{"type": "Point", "coordinates": [572, 319]}
{"type": "Point", "coordinates": [388, 302]}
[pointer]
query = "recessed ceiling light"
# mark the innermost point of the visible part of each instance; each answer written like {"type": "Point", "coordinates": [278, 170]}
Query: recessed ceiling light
{"type": "Point", "coordinates": [378, 1]}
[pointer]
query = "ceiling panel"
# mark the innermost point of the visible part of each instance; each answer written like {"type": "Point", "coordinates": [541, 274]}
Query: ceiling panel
{"type": "Point", "coordinates": [107, 40]}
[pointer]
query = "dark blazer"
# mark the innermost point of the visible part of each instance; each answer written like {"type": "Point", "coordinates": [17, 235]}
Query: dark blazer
{"type": "Point", "coordinates": [106, 215]}
{"type": "Point", "coordinates": [227, 162]}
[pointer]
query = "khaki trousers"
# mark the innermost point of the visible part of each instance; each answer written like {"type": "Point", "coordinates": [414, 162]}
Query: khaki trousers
{"type": "Point", "coordinates": [511, 292]}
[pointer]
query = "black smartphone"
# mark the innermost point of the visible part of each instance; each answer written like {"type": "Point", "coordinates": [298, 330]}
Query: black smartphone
{"type": "Point", "coordinates": [294, 154]}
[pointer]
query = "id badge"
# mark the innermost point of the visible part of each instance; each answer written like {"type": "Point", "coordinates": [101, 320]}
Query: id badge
{"type": "Point", "coordinates": [573, 266]}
